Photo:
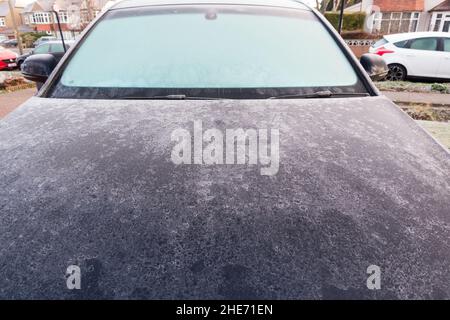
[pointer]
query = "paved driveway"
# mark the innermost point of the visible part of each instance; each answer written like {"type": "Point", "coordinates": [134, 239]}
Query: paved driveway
{"type": "Point", "coordinates": [414, 97]}
{"type": "Point", "coordinates": [10, 101]}
{"type": "Point", "coordinates": [440, 130]}
{"type": "Point", "coordinates": [16, 50]}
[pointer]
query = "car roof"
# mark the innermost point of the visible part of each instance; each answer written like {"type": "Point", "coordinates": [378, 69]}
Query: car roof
{"type": "Point", "coordinates": [272, 3]}
{"type": "Point", "coordinates": [59, 41]}
{"type": "Point", "coordinates": [413, 35]}
{"type": "Point", "coordinates": [56, 41]}
{"type": "Point", "coordinates": [5, 50]}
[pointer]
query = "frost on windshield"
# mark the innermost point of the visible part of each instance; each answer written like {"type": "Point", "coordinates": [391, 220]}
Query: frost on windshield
{"type": "Point", "coordinates": [193, 50]}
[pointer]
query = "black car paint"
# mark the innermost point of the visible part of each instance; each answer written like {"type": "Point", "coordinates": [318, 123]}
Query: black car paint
{"type": "Point", "coordinates": [90, 183]}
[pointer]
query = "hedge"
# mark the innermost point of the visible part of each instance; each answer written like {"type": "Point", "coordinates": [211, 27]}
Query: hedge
{"type": "Point", "coordinates": [352, 21]}
{"type": "Point", "coordinates": [29, 37]}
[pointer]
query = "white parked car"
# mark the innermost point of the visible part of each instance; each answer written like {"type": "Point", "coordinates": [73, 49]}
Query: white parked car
{"type": "Point", "coordinates": [415, 55]}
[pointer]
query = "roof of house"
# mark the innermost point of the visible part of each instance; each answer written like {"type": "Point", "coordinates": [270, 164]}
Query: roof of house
{"type": "Point", "coordinates": [28, 7]}
{"type": "Point", "coordinates": [49, 5]}
{"type": "Point", "coordinates": [444, 6]}
{"type": "Point", "coordinates": [39, 5]}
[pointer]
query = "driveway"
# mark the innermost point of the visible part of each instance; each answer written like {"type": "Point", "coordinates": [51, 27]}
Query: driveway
{"type": "Point", "coordinates": [16, 50]}
{"type": "Point", "coordinates": [440, 130]}
{"type": "Point", "coordinates": [428, 98]}
{"type": "Point", "coordinates": [10, 101]}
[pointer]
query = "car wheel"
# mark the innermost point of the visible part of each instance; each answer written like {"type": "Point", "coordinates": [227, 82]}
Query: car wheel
{"type": "Point", "coordinates": [397, 72]}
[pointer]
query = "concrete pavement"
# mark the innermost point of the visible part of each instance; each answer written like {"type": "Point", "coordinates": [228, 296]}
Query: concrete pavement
{"type": "Point", "coordinates": [440, 130]}
{"type": "Point", "coordinates": [414, 97]}
{"type": "Point", "coordinates": [16, 50]}
{"type": "Point", "coordinates": [10, 101]}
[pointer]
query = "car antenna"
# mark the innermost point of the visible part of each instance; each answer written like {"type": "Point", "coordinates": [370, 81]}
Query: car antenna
{"type": "Point", "coordinates": [60, 30]}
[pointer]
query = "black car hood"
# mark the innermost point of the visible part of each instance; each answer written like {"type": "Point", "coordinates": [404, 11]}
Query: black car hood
{"type": "Point", "coordinates": [91, 183]}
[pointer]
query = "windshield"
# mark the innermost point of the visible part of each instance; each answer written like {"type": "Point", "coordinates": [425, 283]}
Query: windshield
{"type": "Point", "coordinates": [209, 51]}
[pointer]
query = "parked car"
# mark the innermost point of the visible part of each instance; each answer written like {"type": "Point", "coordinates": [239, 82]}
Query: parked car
{"type": "Point", "coordinates": [415, 55]}
{"type": "Point", "coordinates": [7, 59]}
{"type": "Point", "coordinates": [9, 43]}
{"type": "Point", "coordinates": [43, 39]}
{"type": "Point", "coordinates": [54, 48]}
{"type": "Point", "coordinates": [116, 167]}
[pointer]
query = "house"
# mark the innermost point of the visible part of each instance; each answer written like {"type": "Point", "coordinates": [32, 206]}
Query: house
{"type": "Point", "coordinates": [74, 15]}
{"type": "Point", "coordinates": [40, 17]}
{"type": "Point", "coordinates": [6, 20]}
{"type": "Point", "coordinates": [440, 19]}
{"type": "Point", "coordinates": [387, 16]}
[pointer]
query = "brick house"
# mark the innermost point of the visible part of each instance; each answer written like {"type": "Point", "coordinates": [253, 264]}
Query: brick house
{"type": "Point", "coordinates": [440, 19]}
{"type": "Point", "coordinates": [6, 24]}
{"type": "Point", "coordinates": [388, 16]}
{"type": "Point", "coordinates": [73, 15]}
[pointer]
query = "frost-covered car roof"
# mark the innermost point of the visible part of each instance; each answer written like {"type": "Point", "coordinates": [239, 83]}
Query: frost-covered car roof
{"type": "Point", "coordinates": [276, 3]}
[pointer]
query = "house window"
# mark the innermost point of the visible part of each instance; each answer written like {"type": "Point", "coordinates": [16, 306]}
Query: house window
{"type": "Point", "coordinates": [47, 18]}
{"type": "Point", "coordinates": [396, 22]}
{"type": "Point", "coordinates": [2, 22]}
{"type": "Point", "coordinates": [84, 16]}
{"type": "Point", "coordinates": [37, 17]}
{"type": "Point", "coordinates": [63, 17]}
{"type": "Point", "coordinates": [41, 17]}
{"type": "Point", "coordinates": [414, 25]}
{"type": "Point", "coordinates": [440, 22]}
{"type": "Point", "coordinates": [437, 22]}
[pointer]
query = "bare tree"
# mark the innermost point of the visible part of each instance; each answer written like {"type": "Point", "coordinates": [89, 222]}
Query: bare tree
{"type": "Point", "coordinates": [347, 3]}
{"type": "Point", "coordinates": [324, 5]}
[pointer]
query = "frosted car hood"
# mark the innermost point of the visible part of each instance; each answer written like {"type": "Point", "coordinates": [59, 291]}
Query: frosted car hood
{"type": "Point", "coordinates": [91, 183]}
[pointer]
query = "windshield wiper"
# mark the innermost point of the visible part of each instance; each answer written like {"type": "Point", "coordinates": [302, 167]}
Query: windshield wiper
{"type": "Point", "coordinates": [320, 94]}
{"type": "Point", "coordinates": [170, 97]}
